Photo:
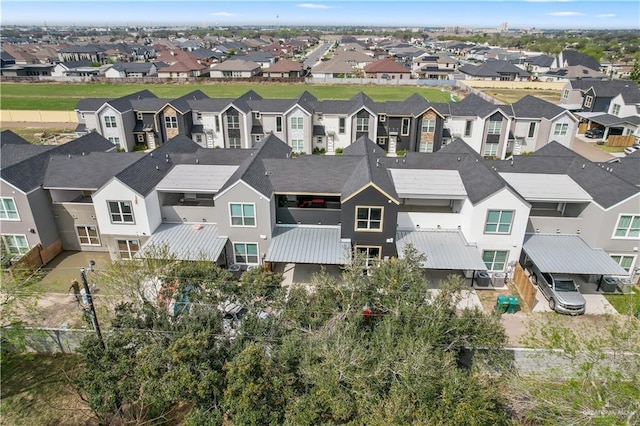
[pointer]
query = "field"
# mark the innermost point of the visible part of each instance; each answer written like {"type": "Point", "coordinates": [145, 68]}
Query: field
{"type": "Point", "coordinates": [64, 97]}
{"type": "Point", "coordinates": [513, 95]}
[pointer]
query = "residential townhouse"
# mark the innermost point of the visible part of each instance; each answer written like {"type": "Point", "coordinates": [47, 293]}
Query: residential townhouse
{"type": "Point", "coordinates": [25, 209]}
{"type": "Point", "coordinates": [494, 69]}
{"type": "Point", "coordinates": [309, 125]}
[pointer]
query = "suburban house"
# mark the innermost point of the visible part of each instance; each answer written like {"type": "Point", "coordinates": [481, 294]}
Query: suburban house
{"type": "Point", "coordinates": [570, 58]}
{"type": "Point", "coordinates": [131, 70]}
{"type": "Point", "coordinates": [333, 68]}
{"type": "Point", "coordinates": [494, 70]}
{"type": "Point", "coordinates": [575, 72]}
{"type": "Point", "coordinates": [264, 59]}
{"type": "Point", "coordinates": [25, 208]}
{"type": "Point", "coordinates": [285, 68]}
{"type": "Point", "coordinates": [235, 68]}
{"type": "Point", "coordinates": [82, 68]}
{"type": "Point", "coordinates": [185, 68]}
{"type": "Point", "coordinates": [89, 52]}
{"type": "Point", "coordinates": [388, 69]}
{"type": "Point", "coordinates": [27, 70]}
{"type": "Point", "coordinates": [434, 67]}
{"type": "Point", "coordinates": [308, 125]}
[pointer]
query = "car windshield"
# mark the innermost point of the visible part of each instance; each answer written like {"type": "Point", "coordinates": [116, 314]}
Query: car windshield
{"type": "Point", "coordinates": [565, 285]}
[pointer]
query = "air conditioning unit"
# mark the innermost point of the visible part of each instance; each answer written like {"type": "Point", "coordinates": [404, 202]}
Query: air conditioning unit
{"type": "Point", "coordinates": [498, 279]}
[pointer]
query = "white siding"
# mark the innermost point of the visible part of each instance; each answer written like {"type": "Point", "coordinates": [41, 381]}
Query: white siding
{"type": "Point", "coordinates": [117, 191]}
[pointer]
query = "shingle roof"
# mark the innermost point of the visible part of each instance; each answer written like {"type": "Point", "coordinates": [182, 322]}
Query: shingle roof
{"type": "Point", "coordinates": [541, 60]}
{"type": "Point", "coordinates": [387, 65]}
{"type": "Point", "coordinates": [87, 172]}
{"type": "Point", "coordinates": [9, 137]}
{"type": "Point", "coordinates": [124, 103]}
{"type": "Point", "coordinates": [626, 168]}
{"type": "Point", "coordinates": [182, 103]}
{"type": "Point", "coordinates": [471, 106]}
{"type": "Point", "coordinates": [369, 170]}
{"type": "Point", "coordinates": [236, 65]}
{"type": "Point", "coordinates": [493, 68]}
{"type": "Point", "coordinates": [285, 65]}
{"type": "Point", "coordinates": [609, 88]}
{"type": "Point", "coordinates": [534, 107]}
{"type": "Point", "coordinates": [133, 66]}
{"type": "Point", "coordinates": [28, 173]}
{"type": "Point", "coordinates": [573, 57]}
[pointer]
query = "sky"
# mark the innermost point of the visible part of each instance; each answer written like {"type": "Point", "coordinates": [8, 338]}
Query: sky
{"type": "Point", "coordinates": [543, 14]}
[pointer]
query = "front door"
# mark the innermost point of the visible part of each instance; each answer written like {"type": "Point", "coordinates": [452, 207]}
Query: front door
{"type": "Point", "coordinates": [330, 143]}
{"type": "Point", "coordinates": [151, 140]}
{"type": "Point", "coordinates": [392, 144]}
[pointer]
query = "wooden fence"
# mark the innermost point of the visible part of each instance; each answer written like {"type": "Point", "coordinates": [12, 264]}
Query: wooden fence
{"type": "Point", "coordinates": [619, 140]}
{"type": "Point", "coordinates": [525, 287]}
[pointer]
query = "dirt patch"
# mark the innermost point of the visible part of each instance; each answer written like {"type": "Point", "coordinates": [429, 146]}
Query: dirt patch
{"type": "Point", "coordinates": [489, 297]}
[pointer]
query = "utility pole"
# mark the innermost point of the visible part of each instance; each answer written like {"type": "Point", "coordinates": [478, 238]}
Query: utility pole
{"type": "Point", "coordinates": [92, 309]}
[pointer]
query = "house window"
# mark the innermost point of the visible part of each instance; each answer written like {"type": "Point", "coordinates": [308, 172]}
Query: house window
{"type": "Point", "coordinates": [199, 115]}
{"type": "Point", "coordinates": [428, 126]}
{"type": "Point", "coordinates": [341, 125]}
{"type": "Point", "coordinates": [628, 227]}
{"type": "Point", "coordinates": [320, 116]}
{"type": "Point", "coordinates": [140, 138]}
{"type": "Point", "coordinates": [114, 140]}
{"type": "Point", "coordinates": [110, 121]}
{"type": "Point", "coordinates": [468, 127]}
{"type": "Point", "coordinates": [199, 138]}
{"type": "Point", "coordinates": [495, 127]}
{"type": "Point", "coordinates": [490, 150]}
{"type": "Point", "coordinates": [256, 115]}
{"type": "Point", "coordinates": [382, 140]}
{"type": "Point", "coordinates": [279, 124]}
{"type": "Point", "coordinates": [217, 119]}
{"type": "Point", "coordinates": [16, 245]}
{"type": "Point", "coordinates": [368, 218]}
{"type": "Point", "coordinates": [532, 130]}
{"type": "Point", "coordinates": [496, 260]}
{"type": "Point", "coordinates": [245, 253]}
{"type": "Point", "coordinates": [565, 94]}
{"type": "Point", "coordinates": [588, 101]}
{"type": "Point", "coordinates": [319, 140]}
{"type": "Point", "coordinates": [171, 122]}
{"type": "Point", "coordinates": [297, 145]}
{"type": "Point", "coordinates": [616, 109]}
{"type": "Point", "coordinates": [120, 211]}
{"type": "Point", "coordinates": [382, 118]}
{"type": "Point", "coordinates": [242, 214]}
{"type": "Point", "coordinates": [498, 222]}
{"type": "Point", "coordinates": [625, 261]}
{"type": "Point", "coordinates": [405, 127]}
{"type": "Point", "coordinates": [127, 249]}
{"type": "Point", "coordinates": [139, 116]}
{"type": "Point", "coordinates": [88, 235]}
{"type": "Point", "coordinates": [362, 124]}
{"type": "Point", "coordinates": [560, 129]}
{"type": "Point", "coordinates": [425, 146]}
{"type": "Point", "coordinates": [371, 255]}
{"type": "Point", "coordinates": [8, 209]}
{"type": "Point", "coordinates": [297, 123]}
{"type": "Point", "coordinates": [234, 143]}
{"type": "Point", "coordinates": [233, 122]}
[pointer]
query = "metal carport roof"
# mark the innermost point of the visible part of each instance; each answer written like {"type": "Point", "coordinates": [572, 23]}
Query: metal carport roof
{"type": "Point", "coordinates": [309, 244]}
{"type": "Point", "coordinates": [444, 248]}
{"type": "Point", "coordinates": [568, 254]}
{"type": "Point", "coordinates": [185, 241]}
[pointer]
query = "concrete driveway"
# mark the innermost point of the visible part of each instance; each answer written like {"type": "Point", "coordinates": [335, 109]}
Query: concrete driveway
{"type": "Point", "coordinates": [597, 304]}
{"type": "Point", "coordinates": [586, 148]}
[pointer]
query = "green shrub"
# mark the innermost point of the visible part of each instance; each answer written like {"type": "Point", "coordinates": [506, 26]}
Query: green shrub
{"type": "Point", "coordinates": [338, 151]}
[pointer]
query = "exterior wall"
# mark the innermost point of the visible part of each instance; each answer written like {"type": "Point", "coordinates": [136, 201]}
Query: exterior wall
{"type": "Point", "coordinates": [566, 140]}
{"type": "Point", "coordinates": [500, 138]}
{"type": "Point", "coordinates": [332, 127]}
{"type": "Point", "coordinates": [40, 205]}
{"type": "Point", "coordinates": [241, 193]}
{"type": "Point", "coordinates": [457, 127]}
{"type": "Point", "coordinates": [112, 245]}
{"type": "Point", "coordinates": [67, 216]}
{"type": "Point", "coordinates": [117, 191]}
{"type": "Point", "coordinates": [512, 242]}
{"type": "Point", "coordinates": [372, 125]}
{"type": "Point", "coordinates": [111, 132]}
{"type": "Point", "coordinates": [304, 133]}
{"type": "Point", "coordinates": [371, 197]}
{"type": "Point", "coordinates": [625, 110]}
{"type": "Point", "coordinates": [27, 220]}
{"type": "Point", "coordinates": [168, 111]}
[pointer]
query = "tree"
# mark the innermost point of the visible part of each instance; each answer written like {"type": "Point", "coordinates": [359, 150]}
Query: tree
{"type": "Point", "coordinates": [635, 72]}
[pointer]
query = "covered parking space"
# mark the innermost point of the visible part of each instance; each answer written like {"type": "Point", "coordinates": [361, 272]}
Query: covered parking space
{"type": "Point", "coordinates": [185, 241]}
{"type": "Point", "coordinates": [571, 255]}
{"type": "Point", "coordinates": [612, 124]}
{"type": "Point", "coordinates": [299, 251]}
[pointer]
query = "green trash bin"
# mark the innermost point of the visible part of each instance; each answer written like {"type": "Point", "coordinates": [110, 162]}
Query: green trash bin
{"type": "Point", "coordinates": [514, 305]}
{"type": "Point", "coordinates": [502, 304]}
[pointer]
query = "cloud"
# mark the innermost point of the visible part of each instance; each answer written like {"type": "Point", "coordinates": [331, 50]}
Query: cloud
{"type": "Point", "coordinates": [606, 15]}
{"type": "Point", "coordinates": [314, 6]}
{"type": "Point", "coordinates": [565, 14]}
{"type": "Point", "coordinates": [223, 14]}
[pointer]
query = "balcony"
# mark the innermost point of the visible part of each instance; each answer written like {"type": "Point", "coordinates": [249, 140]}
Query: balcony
{"type": "Point", "coordinates": [308, 210]}
{"type": "Point", "coordinates": [193, 208]}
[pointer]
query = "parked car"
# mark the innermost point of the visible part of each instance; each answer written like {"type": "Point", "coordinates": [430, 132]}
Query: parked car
{"type": "Point", "coordinates": [595, 133]}
{"type": "Point", "coordinates": [631, 149]}
{"type": "Point", "coordinates": [561, 291]}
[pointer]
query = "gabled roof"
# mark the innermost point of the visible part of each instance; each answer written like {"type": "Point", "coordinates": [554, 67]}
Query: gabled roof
{"type": "Point", "coordinates": [626, 168]}
{"type": "Point", "coordinates": [533, 107]}
{"type": "Point", "coordinates": [285, 65]}
{"type": "Point", "coordinates": [236, 65]}
{"type": "Point", "coordinates": [183, 65]}
{"type": "Point", "coordinates": [493, 68]}
{"type": "Point", "coordinates": [359, 101]}
{"type": "Point", "coordinates": [471, 106]}
{"type": "Point", "coordinates": [124, 103]}
{"type": "Point", "coordinates": [386, 65]}
{"type": "Point", "coordinates": [89, 48]}
{"type": "Point", "coordinates": [76, 64]}
{"type": "Point", "coordinates": [603, 186]}
{"type": "Point", "coordinates": [143, 175]}
{"type": "Point", "coordinates": [573, 57]}
{"type": "Point", "coordinates": [9, 137]}
{"type": "Point", "coordinates": [314, 174]}
{"type": "Point", "coordinates": [133, 66]}
{"type": "Point", "coordinates": [412, 106]}
{"type": "Point", "coordinates": [182, 103]}
{"type": "Point", "coordinates": [541, 60]}
{"type": "Point", "coordinates": [28, 173]}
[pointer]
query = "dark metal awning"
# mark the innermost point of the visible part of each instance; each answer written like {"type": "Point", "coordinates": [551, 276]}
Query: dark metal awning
{"type": "Point", "coordinates": [568, 254]}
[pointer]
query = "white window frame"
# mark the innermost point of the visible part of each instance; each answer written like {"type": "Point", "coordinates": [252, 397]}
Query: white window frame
{"type": "Point", "coordinates": [235, 143]}
{"type": "Point", "coordinates": [362, 125]}
{"type": "Point", "coordinates": [110, 122]}
{"type": "Point", "coordinates": [628, 229]}
{"type": "Point", "coordinates": [246, 253]}
{"type": "Point", "coordinates": [256, 115]}
{"type": "Point", "coordinates": [279, 124]}
{"type": "Point", "coordinates": [492, 265]}
{"type": "Point", "coordinates": [140, 138]}
{"type": "Point", "coordinates": [90, 240]}
{"type": "Point", "coordinates": [15, 249]}
{"type": "Point", "coordinates": [342, 125]}
{"type": "Point", "coordinates": [560, 129]}
{"type": "Point", "coordinates": [531, 132]}
{"type": "Point", "coordinates": [217, 120]}
{"type": "Point", "coordinates": [198, 115]}
{"type": "Point", "coordinates": [297, 123]}
{"type": "Point", "coordinates": [499, 222]}
{"type": "Point", "coordinates": [139, 116]}
{"type": "Point", "coordinates": [369, 221]}
{"type": "Point", "coordinates": [428, 126]}
{"type": "Point", "coordinates": [297, 145]}
{"type": "Point", "coordinates": [233, 121]}
{"type": "Point", "coordinates": [494, 128]}
{"type": "Point", "coordinates": [243, 217]}
{"type": "Point", "coordinates": [130, 253]}
{"type": "Point", "coordinates": [491, 149]}
{"type": "Point", "coordinates": [588, 101]}
{"type": "Point", "coordinates": [621, 257]}
{"type": "Point", "coordinates": [369, 260]}
{"type": "Point", "coordinates": [565, 94]}
{"type": "Point", "coordinates": [114, 140]}
{"type": "Point", "coordinates": [468, 128]}
{"type": "Point", "coordinates": [6, 213]}
{"type": "Point", "coordinates": [121, 213]}
{"type": "Point", "coordinates": [382, 118]}
{"type": "Point", "coordinates": [425, 146]}
{"type": "Point", "coordinates": [170, 122]}
{"type": "Point", "coordinates": [405, 127]}
{"type": "Point", "coordinates": [615, 110]}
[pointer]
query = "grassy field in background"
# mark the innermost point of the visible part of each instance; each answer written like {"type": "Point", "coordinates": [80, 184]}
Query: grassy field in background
{"type": "Point", "coordinates": [64, 97]}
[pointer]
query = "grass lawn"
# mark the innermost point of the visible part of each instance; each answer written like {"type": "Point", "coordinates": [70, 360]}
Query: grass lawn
{"type": "Point", "coordinates": [64, 97]}
{"type": "Point", "coordinates": [627, 304]}
{"type": "Point", "coordinates": [609, 148]}
{"type": "Point", "coordinates": [513, 95]}
{"type": "Point", "coordinates": [36, 390]}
